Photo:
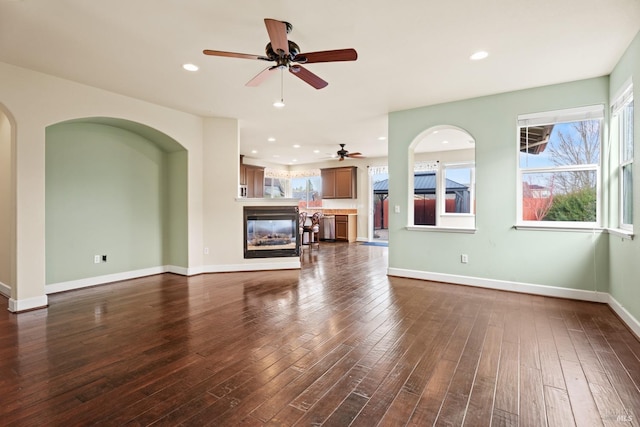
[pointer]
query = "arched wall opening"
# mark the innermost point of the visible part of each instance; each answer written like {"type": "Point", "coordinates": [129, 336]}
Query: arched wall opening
{"type": "Point", "coordinates": [441, 178]}
{"type": "Point", "coordinates": [115, 201]}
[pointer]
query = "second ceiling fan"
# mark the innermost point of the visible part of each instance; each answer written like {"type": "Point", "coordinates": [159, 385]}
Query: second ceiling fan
{"type": "Point", "coordinates": [286, 54]}
{"type": "Point", "coordinates": [342, 154]}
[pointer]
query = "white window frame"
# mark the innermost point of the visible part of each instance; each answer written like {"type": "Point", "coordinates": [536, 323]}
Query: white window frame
{"type": "Point", "coordinates": [618, 123]}
{"type": "Point", "coordinates": [592, 112]}
{"type": "Point", "coordinates": [442, 191]}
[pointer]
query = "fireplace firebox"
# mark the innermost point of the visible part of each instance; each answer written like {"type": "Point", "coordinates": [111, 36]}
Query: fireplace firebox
{"type": "Point", "coordinates": [271, 231]}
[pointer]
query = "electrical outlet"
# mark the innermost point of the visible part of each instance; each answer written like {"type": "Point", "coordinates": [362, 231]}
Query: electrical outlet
{"type": "Point", "coordinates": [96, 259]}
{"type": "Point", "coordinates": [396, 208]}
{"type": "Point", "coordinates": [464, 258]}
{"type": "Point", "coordinates": [104, 258]}
{"type": "Point", "coordinates": [206, 251]}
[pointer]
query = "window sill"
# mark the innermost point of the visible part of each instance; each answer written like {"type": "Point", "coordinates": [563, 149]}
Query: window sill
{"type": "Point", "coordinates": [440, 229]}
{"type": "Point", "coordinates": [580, 229]}
{"type": "Point", "coordinates": [625, 234]}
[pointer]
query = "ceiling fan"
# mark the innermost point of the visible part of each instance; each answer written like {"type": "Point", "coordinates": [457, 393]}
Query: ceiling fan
{"type": "Point", "coordinates": [342, 153]}
{"type": "Point", "coordinates": [286, 54]}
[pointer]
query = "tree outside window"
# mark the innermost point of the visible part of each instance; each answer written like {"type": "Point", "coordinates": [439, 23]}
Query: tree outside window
{"type": "Point", "coordinates": [559, 167]}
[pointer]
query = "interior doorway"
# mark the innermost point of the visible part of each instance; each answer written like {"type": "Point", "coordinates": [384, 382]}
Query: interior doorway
{"type": "Point", "coordinates": [379, 196]}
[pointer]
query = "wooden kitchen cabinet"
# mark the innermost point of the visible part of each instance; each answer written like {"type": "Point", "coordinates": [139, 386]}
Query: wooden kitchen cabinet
{"type": "Point", "coordinates": [339, 183]}
{"type": "Point", "coordinates": [252, 177]}
{"type": "Point", "coordinates": [255, 181]}
{"type": "Point", "coordinates": [346, 228]}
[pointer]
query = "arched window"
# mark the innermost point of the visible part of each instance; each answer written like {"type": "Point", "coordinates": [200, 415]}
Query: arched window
{"type": "Point", "coordinates": [442, 179]}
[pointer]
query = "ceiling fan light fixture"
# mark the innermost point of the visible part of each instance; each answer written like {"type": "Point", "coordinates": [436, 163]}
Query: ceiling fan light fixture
{"type": "Point", "coordinates": [280, 104]}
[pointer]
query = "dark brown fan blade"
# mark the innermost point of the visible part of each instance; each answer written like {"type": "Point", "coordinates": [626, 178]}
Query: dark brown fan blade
{"type": "Point", "coordinates": [307, 76]}
{"type": "Point", "coordinates": [278, 35]}
{"type": "Point", "coordinates": [260, 77]}
{"type": "Point", "coordinates": [327, 56]}
{"type": "Point", "coordinates": [356, 154]}
{"type": "Point", "coordinates": [233, 54]}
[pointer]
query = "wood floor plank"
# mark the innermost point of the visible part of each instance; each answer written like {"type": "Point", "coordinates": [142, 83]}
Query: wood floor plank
{"type": "Point", "coordinates": [481, 401]}
{"type": "Point", "coordinates": [580, 395]}
{"type": "Point", "coordinates": [532, 407]}
{"type": "Point", "coordinates": [559, 412]}
{"type": "Point", "coordinates": [347, 411]}
{"type": "Point", "coordinates": [453, 408]}
{"type": "Point", "coordinates": [507, 396]}
{"type": "Point", "coordinates": [322, 345]}
{"type": "Point", "coordinates": [430, 402]}
{"type": "Point", "coordinates": [322, 409]}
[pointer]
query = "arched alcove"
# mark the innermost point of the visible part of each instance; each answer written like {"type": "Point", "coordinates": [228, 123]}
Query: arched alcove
{"type": "Point", "coordinates": [441, 179]}
{"type": "Point", "coordinates": [115, 202]}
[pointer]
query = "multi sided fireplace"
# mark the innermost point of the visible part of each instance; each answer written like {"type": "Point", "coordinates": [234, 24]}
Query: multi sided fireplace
{"type": "Point", "coordinates": [271, 231]}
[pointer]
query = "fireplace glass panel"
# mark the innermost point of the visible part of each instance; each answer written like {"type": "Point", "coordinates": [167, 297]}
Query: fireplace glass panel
{"type": "Point", "coordinates": [271, 232]}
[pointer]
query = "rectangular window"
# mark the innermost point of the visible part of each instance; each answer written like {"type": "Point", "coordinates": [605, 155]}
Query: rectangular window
{"type": "Point", "coordinates": [275, 187]}
{"type": "Point", "coordinates": [307, 190]}
{"type": "Point", "coordinates": [622, 130]}
{"type": "Point", "coordinates": [559, 167]}
{"type": "Point", "coordinates": [459, 188]}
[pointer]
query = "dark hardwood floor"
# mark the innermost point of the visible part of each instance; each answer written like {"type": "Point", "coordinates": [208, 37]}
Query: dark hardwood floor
{"type": "Point", "coordinates": [338, 343]}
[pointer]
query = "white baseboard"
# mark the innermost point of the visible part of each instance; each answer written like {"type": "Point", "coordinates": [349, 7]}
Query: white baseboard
{"type": "Point", "coordinates": [257, 266]}
{"type": "Point", "coordinates": [502, 285]}
{"type": "Point", "coordinates": [5, 290]}
{"type": "Point", "coordinates": [25, 304]}
{"type": "Point", "coordinates": [99, 280]}
{"type": "Point", "coordinates": [183, 271]}
{"type": "Point", "coordinates": [626, 317]}
{"type": "Point", "coordinates": [127, 275]}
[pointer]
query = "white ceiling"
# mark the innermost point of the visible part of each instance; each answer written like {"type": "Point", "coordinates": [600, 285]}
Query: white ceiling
{"type": "Point", "coordinates": [411, 53]}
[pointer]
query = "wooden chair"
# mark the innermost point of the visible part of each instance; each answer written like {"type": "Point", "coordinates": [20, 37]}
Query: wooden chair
{"type": "Point", "coordinates": [310, 229]}
{"type": "Point", "coordinates": [302, 229]}
{"type": "Point", "coordinates": [315, 229]}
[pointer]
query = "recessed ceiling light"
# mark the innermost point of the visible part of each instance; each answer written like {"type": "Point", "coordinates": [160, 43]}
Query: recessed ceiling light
{"type": "Point", "coordinates": [294, 160]}
{"type": "Point", "coordinates": [316, 151]}
{"type": "Point", "coordinates": [479, 55]}
{"type": "Point", "coordinates": [296, 146]}
{"type": "Point", "coordinates": [382, 138]}
{"type": "Point", "coordinates": [190, 67]}
{"type": "Point", "coordinates": [279, 104]}
{"type": "Point", "coordinates": [254, 151]}
{"type": "Point", "coordinates": [271, 139]}
{"type": "Point", "coordinates": [445, 142]}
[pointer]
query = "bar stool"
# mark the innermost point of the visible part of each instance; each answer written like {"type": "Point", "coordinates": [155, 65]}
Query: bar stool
{"type": "Point", "coordinates": [302, 229]}
{"type": "Point", "coordinates": [315, 229]}
{"type": "Point", "coordinates": [310, 228]}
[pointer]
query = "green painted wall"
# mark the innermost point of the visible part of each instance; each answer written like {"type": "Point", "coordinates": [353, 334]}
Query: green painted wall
{"type": "Point", "coordinates": [109, 191]}
{"type": "Point", "coordinates": [625, 254]}
{"type": "Point", "coordinates": [497, 251]}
